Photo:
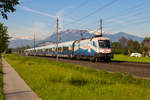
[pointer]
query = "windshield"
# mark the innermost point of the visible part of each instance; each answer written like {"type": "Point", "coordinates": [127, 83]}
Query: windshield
{"type": "Point", "coordinates": [104, 44]}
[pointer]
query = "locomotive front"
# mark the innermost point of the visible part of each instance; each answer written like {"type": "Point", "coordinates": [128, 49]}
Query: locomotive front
{"type": "Point", "coordinates": [104, 49]}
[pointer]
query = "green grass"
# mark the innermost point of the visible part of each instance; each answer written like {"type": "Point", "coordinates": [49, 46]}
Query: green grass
{"type": "Point", "coordinates": [1, 82]}
{"type": "Point", "coordinates": [131, 59]}
{"type": "Point", "coordinates": [53, 80]}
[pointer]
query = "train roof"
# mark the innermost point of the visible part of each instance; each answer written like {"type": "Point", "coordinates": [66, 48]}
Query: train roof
{"type": "Point", "coordinates": [52, 45]}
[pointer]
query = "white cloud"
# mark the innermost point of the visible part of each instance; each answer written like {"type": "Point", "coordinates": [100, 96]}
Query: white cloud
{"type": "Point", "coordinates": [40, 29]}
{"type": "Point", "coordinates": [38, 12]}
{"type": "Point", "coordinates": [58, 14]}
{"type": "Point", "coordinates": [23, 37]}
{"type": "Point", "coordinates": [23, 1]}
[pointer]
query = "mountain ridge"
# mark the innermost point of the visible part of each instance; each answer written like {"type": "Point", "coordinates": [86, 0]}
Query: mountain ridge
{"type": "Point", "coordinates": [70, 35]}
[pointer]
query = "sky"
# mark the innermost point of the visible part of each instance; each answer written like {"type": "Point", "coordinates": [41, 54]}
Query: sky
{"type": "Point", "coordinates": [39, 17]}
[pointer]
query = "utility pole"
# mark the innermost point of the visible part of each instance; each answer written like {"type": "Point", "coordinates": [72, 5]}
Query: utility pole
{"type": "Point", "coordinates": [34, 45]}
{"type": "Point", "coordinates": [101, 28]}
{"type": "Point", "coordinates": [81, 33]}
{"type": "Point", "coordinates": [57, 26]}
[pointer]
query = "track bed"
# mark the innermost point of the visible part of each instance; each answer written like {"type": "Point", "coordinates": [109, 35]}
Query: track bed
{"type": "Point", "coordinates": [136, 69]}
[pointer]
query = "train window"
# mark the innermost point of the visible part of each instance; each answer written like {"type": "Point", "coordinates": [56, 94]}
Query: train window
{"type": "Point", "coordinates": [54, 49]}
{"type": "Point", "coordinates": [110, 44]}
{"type": "Point", "coordinates": [60, 49]}
{"type": "Point", "coordinates": [65, 48]}
{"type": "Point", "coordinates": [50, 50]}
{"type": "Point", "coordinates": [104, 43]}
{"type": "Point", "coordinates": [37, 50]}
{"type": "Point", "coordinates": [46, 50]}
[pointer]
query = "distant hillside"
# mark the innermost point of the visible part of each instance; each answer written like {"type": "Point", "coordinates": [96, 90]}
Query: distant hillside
{"type": "Point", "coordinates": [20, 42]}
{"type": "Point", "coordinates": [70, 35]}
{"type": "Point", "coordinates": [117, 36]}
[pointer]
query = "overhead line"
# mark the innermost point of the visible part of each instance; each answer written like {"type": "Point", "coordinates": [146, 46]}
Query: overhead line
{"type": "Point", "coordinates": [130, 9]}
{"type": "Point", "coordinates": [136, 7]}
{"type": "Point", "coordinates": [131, 14]}
{"type": "Point", "coordinates": [92, 13]}
{"type": "Point", "coordinates": [134, 15]}
{"type": "Point", "coordinates": [77, 7]}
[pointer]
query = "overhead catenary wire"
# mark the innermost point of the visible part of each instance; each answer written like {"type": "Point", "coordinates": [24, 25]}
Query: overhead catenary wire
{"type": "Point", "coordinates": [136, 16]}
{"type": "Point", "coordinates": [92, 13]}
{"type": "Point", "coordinates": [75, 9]}
{"type": "Point", "coordinates": [130, 9]}
{"type": "Point", "coordinates": [130, 12]}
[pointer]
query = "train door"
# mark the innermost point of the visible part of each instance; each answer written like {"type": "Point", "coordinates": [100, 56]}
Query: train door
{"type": "Point", "coordinates": [76, 48]}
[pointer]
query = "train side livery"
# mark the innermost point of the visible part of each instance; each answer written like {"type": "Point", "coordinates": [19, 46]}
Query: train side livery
{"type": "Point", "coordinates": [97, 48]}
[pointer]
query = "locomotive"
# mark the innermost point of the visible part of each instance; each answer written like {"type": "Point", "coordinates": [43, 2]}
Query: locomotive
{"type": "Point", "coordinates": [95, 49]}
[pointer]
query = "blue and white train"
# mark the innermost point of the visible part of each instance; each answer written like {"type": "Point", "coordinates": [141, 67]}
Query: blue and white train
{"type": "Point", "coordinates": [96, 48]}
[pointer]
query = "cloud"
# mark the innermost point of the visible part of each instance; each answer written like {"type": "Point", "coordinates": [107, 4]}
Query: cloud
{"type": "Point", "coordinates": [23, 1]}
{"type": "Point", "coordinates": [38, 12]}
{"type": "Point", "coordinates": [24, 38]}
{"type": "Point", "coordinates": [40, 29]}
{"type": "Point", "coordinates": [58, 14]}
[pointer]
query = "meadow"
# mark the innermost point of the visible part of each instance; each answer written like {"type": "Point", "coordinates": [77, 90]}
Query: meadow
{"type": "Point", "coordinates": [1, 82]}
{"type": "Point", "coordinates": [122, 57]}
{"type": "Point", "coordinates": [53, 80]}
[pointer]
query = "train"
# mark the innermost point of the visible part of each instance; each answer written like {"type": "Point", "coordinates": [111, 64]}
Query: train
{"type": "Point", "coordinates": [94, 49]}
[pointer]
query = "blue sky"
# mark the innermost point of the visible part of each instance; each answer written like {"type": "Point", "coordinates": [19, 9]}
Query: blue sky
{"type": "Point", "coordinates": [39, 16]}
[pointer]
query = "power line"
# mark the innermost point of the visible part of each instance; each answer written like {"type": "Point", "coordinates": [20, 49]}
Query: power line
{"type": "Point", "coordinates": [137, 15]}
{"type": "Point", "coordinates": [95, 11]}
{"type": "Point", "coordinates": [136, 7]}
{"type": "Point", "coordinates": [131, 9]}
{"type": "Point", "coordinates": [34, 45]}
{"type": "Point", "coordinates": [77, 7]}
{"type": "Point", "coordinates": [57, 27]}
{"type": "Point", "coordinates": [139, 6]}
{"type": "Point", "coordinates": [140, 22]}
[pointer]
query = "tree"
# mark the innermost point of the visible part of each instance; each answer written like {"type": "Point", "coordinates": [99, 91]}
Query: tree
{"type": "Point", "coordinates": [146, 39]}
{"type": "Point", "coordinates": [133, 46]}
{"type": "Point", "coordinates": [145, 44]}
{"type": "Point", "coordinates": [116, 47]}
{"type": "Point", "coordinates": [7, 6]}
{"type": "Point", "coordinates": [3, 38]}
{"type": "Point", "coordinates": [136, 46]}
{"type": "Point", "coordinates": [123, 42]}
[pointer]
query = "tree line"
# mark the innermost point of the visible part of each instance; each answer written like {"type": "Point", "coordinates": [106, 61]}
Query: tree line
{"type": "Point", "coordinates": [6, 6]}
{"type": "Point", "coordinates": [128, 46]}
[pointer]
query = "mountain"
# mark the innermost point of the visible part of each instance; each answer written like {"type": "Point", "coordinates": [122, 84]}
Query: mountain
{"type": "Point", "coordinates": [117, 36]}
{"type": "Point", "coordinates": [20, 42]}
{"type": "Point", "coordinates": [69, 35]}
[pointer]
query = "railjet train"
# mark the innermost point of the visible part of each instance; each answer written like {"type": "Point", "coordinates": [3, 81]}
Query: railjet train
{"type": "Point", "coordinates": [95, 49]}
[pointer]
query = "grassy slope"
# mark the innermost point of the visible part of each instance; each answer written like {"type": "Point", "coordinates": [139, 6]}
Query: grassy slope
{"type": "Point", "coordinates": [131, 59]}
{"type": "Point", "coordinates": [1, 85]}
{"type": "Point", "coordinates": [62, 81]}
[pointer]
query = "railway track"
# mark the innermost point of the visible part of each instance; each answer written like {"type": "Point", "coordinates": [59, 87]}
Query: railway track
{"type": "Point", "coordinates": [134, 68]}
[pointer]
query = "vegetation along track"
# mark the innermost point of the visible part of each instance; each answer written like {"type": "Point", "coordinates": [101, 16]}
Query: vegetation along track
{"type": "Point", "coordinates": [136, 69]}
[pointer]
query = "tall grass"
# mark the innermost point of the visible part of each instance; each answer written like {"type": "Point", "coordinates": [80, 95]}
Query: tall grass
{"type": "Point", "coordinates": [53, 80]}
{"type": "Point", "coordinates": [131, 59]}
{"type": "Point", "coordinates": [1, 82]}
